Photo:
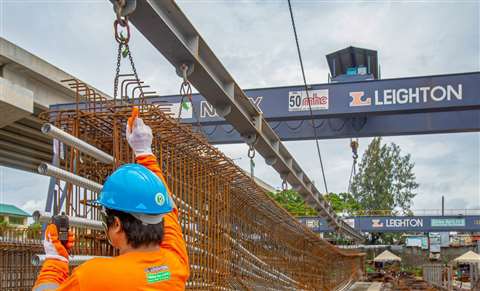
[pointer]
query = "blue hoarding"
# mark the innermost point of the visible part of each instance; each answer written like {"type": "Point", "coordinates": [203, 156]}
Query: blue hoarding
{"type": "Point", "coordinates": [405, 106]}
{"type": "Point", "coordinates": [469, 223]}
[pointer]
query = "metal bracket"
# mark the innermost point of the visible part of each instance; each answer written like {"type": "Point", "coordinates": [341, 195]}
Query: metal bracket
{"type": "Point", "coordinates": [223, 110]}
{"type": "Point", "coordinates": [270, 161]}
{"type": "Point", "coordinates": [250, 139]}
{"type": "Point", "coordinates": [284, 176]}
{"type": "Point", "coordinates": [297, 188]}
{"type": "Point", "coordinates": [126, 9]}
{"type": "Point", "coordinates": [180, 72]}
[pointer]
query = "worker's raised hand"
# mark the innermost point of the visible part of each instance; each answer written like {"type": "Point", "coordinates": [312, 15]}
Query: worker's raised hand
{"type": "Point", "coordinates": [139, 135]}
{"type": "Point", "coordinates": [54, 249]}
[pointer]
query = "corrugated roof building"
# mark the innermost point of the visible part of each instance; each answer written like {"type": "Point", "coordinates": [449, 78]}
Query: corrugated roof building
{"type": "Point", "coordinates": [13, 215]}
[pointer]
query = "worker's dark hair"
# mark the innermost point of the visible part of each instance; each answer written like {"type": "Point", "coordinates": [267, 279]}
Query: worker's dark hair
{"type": "Point", "coordinates": [138, 234]}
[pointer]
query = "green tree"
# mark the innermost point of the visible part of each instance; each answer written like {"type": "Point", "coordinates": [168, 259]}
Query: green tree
{"type": "Point", "coordinates": [385, 180]}
{"type": "Point", "coordinates": [34, 231]}
{"type": "Point", "coordinates": [293, 203]}
{"type": "Point", "coordinates": [4, 226]}
{"type": "Point", "coordinates": [343, 202]}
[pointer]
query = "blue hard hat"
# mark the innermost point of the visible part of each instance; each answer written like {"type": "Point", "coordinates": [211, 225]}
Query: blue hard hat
{"type": "Point", "coordinates": [133, 188]}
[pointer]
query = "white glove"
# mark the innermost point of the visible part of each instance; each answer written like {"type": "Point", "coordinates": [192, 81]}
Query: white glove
{"type": "Point", "coordinates": [139, 137]}
{"type": "Point", "coordinates": [54, 249]}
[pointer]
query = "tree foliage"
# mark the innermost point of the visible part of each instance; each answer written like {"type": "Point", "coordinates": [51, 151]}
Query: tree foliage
{"type": "Point", "coordinates": [343, 203]}
{"type": "Point", "coordinates": [4, 226]}
{"type": "Point", "coordinates": [34, 231]}
{"type": "Point", "coordinates": [293, 203]}
{"type": "Point", "coordinates": [385, 180]}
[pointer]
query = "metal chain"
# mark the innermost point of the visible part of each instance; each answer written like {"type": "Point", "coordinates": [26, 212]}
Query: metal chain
{"type": "Point", "coordinates": [142, 98]}
{"type": "Point", "coordinates": [284, 185]}
{"type": "Point", "coordinates": [117, 72]}
{"type": "Point", "coordinates": [353, 171]}
{"type": "Point", "coordinates": [186, 91]}
{"type": "Point", "coordinates": [354, 146]}
{"type": "Point", "coordinates": [123, 43]}
{"type": "Point", "coordinates": [183, 91]}
{"type": "Point", "coordinates": [251, 152]}
{"type": "Point", "coordinates": [251, 156]}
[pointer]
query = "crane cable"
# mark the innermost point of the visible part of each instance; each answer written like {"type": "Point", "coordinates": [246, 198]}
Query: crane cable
{"type": "Point", "coordinates": [353, 172]}
{"type": "Point", "coordinates": [308, 97]}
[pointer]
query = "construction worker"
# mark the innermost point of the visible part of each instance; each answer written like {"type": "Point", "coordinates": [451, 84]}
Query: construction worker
{"type": "Point", "coordinates": [140, 220]}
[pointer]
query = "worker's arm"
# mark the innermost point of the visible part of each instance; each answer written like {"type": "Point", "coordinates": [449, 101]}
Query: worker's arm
{"type": "Point", "coordinates": [55, 270]}
{"type": "Point", "coordinates": [139, 137]}
{"type": "Point", "coordinates": [172, 231]}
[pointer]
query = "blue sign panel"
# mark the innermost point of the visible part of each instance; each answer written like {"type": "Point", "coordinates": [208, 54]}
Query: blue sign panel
{"type": "Point", "coordinates": [418, 223]}
{"type": "Point", "coordinates": [433, 93]}
{"type": "Point", "coordinates": [419, 105]}
{"type": "Point", "coordinates": [469, 223]}
{"type": "Point", "coordinates": [316, 224]}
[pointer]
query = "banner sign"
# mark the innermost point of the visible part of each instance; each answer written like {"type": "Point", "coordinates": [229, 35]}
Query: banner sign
{"type": "Point", "coordinates": [379, 96]}
{"type": "Point", "coordinates": [298, 100]}
{"type": "Point", "coordinates": [386, 96]}
{"type": "Point", "coordinates": [445, 222]}
{"type": "Point", "coordinates": [417, 223]}
{"type": "Point", "coordinates": [470, 223]}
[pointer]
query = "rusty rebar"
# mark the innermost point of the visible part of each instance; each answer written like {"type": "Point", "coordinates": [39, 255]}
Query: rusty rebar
{"type": "Point", "coordinates": [238, 238]}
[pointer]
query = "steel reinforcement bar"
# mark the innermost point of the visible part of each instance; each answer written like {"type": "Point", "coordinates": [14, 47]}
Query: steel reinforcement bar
{"type": "Point", "coordinates": [238, 238]}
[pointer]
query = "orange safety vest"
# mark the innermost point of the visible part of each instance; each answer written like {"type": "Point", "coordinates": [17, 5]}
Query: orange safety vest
{"type": "Point", "coordinates": [164, 269]}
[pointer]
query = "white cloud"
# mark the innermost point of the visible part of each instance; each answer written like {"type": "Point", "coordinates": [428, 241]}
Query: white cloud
{"type": "Point", "coordinates": [31, 205]}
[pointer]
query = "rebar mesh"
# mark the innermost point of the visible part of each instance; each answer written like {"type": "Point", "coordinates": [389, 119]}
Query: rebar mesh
{"type": "Point", "coordinates": [17, 247]}
{"type": "Point", "coordinates": [238, 237]}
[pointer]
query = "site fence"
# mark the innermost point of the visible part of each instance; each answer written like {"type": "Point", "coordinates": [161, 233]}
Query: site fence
{"type": "Point", "coordinates": [16, 252]}
{"type": "Point", "coordinates": [438, 275]}
{"type": "Point", "coordinates": [238, 238]}
{"type": "Point", "coordinates": [444, 277]}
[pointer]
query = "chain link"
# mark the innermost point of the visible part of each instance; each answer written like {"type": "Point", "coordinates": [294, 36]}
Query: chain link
{"type": "Point", "coordinates": [142, 98]}
{"type": "Point", "coordinates": [123, 44]}
{"type": "Point", "coordinates": [251, 156]}
{"type": "Point", "coordinates": [353, 172]}
{"type": "Point", "coordinates": [284, 185]}
{"type": "Point", "coordinates": [251, 152]}
{"type": "Point", "coordinates": [117, 72]}
{"type": "Point", "coordinates": [186, 92]}
{"type": "Point", "coordinates": [354, 146]}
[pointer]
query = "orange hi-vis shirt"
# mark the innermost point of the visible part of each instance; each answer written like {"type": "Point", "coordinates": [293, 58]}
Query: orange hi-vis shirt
{"type": "Point", "coordinates": [164, 269]}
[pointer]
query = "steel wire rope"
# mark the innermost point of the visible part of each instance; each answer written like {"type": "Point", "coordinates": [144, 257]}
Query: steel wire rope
{"type": "Point", "coordinates": [308, 97]}
{"type": "Point", "coordinates": [276, 125]}
{"type": "Point", "coordinates": [226, 130]}
{"type": "Point", "coordinates": [349, 189]}
{"type": "Point", "coordinates": [319, 125]}
{"type": "Point", "coordinates": [211, 131]}
{"type": "Point", "coordinates": [339, 128]}
{"type": "Point", "coordinates": [294, 128]}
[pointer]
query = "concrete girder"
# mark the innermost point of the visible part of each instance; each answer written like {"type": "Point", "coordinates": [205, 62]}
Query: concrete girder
{"type": "Point", "coordinates": [28, 85]}
{"type": "Point", "coordinates": [16, 102]}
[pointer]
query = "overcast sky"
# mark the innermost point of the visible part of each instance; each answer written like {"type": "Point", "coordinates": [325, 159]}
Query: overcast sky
{"type": "Point", "coordinates": [254, 41]}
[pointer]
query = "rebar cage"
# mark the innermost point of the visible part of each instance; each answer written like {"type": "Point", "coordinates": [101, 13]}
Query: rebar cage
{"type": "Point", "coordinates": [238, 238]}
